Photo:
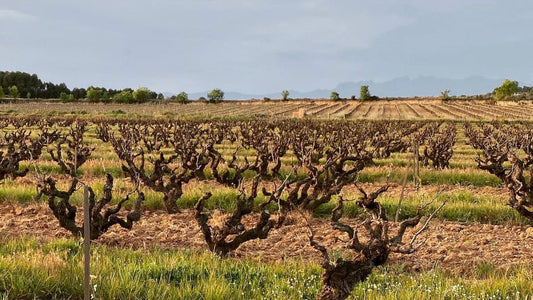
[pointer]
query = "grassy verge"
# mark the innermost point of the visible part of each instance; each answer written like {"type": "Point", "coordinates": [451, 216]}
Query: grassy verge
{"type": "Point", "coordinates": [53, 270]}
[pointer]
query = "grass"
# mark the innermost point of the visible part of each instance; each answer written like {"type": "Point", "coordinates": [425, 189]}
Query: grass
{"type": "Point", "coordinates": [461, 206]}
{"type": "Point", "coordinates": [30, 269]}
{"type": "Point", "coordinates": [53, 270]}
{"type": "Point", "coordinates": [468, 177]}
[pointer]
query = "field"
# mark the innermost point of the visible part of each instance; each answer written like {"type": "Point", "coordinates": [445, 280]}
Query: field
{"type": "Point", "coordinates": [377, 110]}
{"type": "Point", "coordinates": [246, 161]}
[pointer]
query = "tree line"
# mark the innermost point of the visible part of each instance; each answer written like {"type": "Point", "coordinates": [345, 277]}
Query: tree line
{"type": "Point", "coordinates": [24, 85]}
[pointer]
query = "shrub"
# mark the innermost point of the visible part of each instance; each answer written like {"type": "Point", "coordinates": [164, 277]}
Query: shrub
{"type": "Point", "coordinates": [142, 94]}
{"type": "Point", "coordinates": [215, 96]}
{"type": "Point", "coordinates": [182, 98]}
{"type": "Point", "coordinates": [285, 95]}
{"type": "Point", "coordinates": [14, 92]}
{"type": "Point", "coordinates": [334, 96]}
{"type": "Point", "coordinates": [364, 93]}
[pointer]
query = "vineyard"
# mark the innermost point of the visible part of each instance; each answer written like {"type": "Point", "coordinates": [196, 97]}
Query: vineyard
{"type": "Point", "coordinates": [384, 200]}
{"type": "Point", "coordinates": [375, 110]}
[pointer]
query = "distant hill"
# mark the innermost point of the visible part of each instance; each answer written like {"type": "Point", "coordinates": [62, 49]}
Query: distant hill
{"type": "Point", "coordinates": [398, 87]}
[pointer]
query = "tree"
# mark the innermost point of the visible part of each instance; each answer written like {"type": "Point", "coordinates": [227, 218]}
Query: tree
{"type": "Point", "coordinates": [334, 96]}
{"type": "Point", "coordinates": [25, 82]}
{"type": "Point", "coordinates": [364, 93]}
{"type": "Point", "coordinates": [79, 93]}
{"type": "Point", "coordinates": [142, 94]}
{"type": "Point", "coordinates": [106, 97]}
{"type": "Point", "coordinates": [182, 98]}
{"type": "Point", "coordinates": [64, 97]}
{"type": "Point", "coordinates": [285, 95]}
{"type": "Point", "coordinates": [124, 97]}
{"type": "Point", "coordinates": [160, 96]}
{"type": "Point", "coordinates": [506, 90]}
{"type": "Point", "coordinates": [14, 92]}
{"type": "Point", "coordinates": [215, 96]}
{"type": "Point", "coordinates": [94, 94]}
{"type": "Point", "coordinates": [1, 93]}
{"type": "Point", "coordinates": [445, 95]}
{"type": "Point", "coordinates": [28, 95]}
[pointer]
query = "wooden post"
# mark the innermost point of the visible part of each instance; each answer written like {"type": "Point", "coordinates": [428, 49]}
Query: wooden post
{"type": "Point", "coordinates": [86, 245]}
{"type": "Point", "coordinates": [417, 166]}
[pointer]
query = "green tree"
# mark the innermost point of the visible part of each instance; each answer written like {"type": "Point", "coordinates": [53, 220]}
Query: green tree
{"type": "Point", "coordinates": [215, 96]}
{"type": "Point", "coordinates": [106, 97]}
{"type": "Point", "coordinates": [1, 93]}
{"type": "Point", "coordinates": [506, 90]}
{"type": "Point", "coordinates": [285, 95]}
{"type": "Point", "coordinates": [364, 93]}
{"type": "Point", "coordinates": [160, 96]}
{"type": "Point", "coordinates": [28, 95]}
{"type": "Point", "coordinates": [14, 92]}
{"type": "Point", "coordinates": [334, 96]}
{"type": "Point", "coordinates": [94, 95]}
{"type": "Point", "coordinates": [79, 93]}
{"type": "Point", "coordinates": [63, 97]}
{"type": "Point", "coordinates": [182, 98]}
{"type": "Point", "coordinates": [142, 94]}
{"type": "Point", "coordinates": [124, 96]}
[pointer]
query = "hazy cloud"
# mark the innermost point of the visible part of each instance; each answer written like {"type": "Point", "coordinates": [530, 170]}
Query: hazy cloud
{"type": "Point", "coordinates": [258, 46]}
{"type": "Point", "coordinates": [13, 15]}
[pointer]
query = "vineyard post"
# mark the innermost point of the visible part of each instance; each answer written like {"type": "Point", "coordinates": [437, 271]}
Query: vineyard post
{"type": "Point", "coordinates": [417, 166]}
{"type": "Point", "coordinates": [86, 245]}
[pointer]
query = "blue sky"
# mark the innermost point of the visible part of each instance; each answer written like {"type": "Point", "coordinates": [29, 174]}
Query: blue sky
{"type": "Point", "coordinates": [260, 46]}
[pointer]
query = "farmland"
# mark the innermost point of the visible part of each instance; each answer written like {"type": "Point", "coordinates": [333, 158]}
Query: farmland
{"type": "Point", "coordinates": [175, 186]}
{"type": "Point", "coordinates": [376, 110]}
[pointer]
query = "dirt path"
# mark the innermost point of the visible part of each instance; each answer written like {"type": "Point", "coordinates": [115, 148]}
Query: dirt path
{"type": "Point", "coordinates": [456, 247]}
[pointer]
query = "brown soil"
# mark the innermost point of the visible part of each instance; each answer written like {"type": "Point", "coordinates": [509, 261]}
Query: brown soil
{"type": "Point", "coordinates": [453, 246]}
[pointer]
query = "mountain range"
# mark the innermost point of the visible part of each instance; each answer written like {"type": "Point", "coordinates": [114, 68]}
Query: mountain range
{"type": "Point", "coordinates": [398, 87]}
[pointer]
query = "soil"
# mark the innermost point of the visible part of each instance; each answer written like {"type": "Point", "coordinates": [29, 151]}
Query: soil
{"type": "Point", "coordinates": [452, 246]}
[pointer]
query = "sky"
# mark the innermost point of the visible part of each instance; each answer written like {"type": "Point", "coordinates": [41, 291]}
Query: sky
{"type": "Point", "coordinates": [263, 46]}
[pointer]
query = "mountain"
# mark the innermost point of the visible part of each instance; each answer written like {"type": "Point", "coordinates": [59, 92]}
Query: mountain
{"type": "Point", "coordinates": [398, 87]}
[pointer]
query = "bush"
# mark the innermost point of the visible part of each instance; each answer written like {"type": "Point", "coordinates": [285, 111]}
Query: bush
{"type": "Point", "coordinates": [94, 95]}
{"type": "Point", "coordinates": [285, 95]}
{"type": "Point", "coordinates": [364, 93]}
{"type": "Point", "coordinates": [182, 98]}
{"type": "Point", "coordinates": [63, 97]}
{"type": "Point", "coordinates": [334, 96]}
{"type": "Point", "coordinates": [506, 90]}
{"type": "Point", "coordinates": [215, 96]}
{"type": "Point", "coordinates": [124, 97]}
{"type": "Point", "coordinates": [142, 94]}
{"type": "Point", "coordinates": [14, 92]}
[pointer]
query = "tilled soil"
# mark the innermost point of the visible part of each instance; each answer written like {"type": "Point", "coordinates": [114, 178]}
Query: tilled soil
{"type": "Point", "coordinates": [452, 246]}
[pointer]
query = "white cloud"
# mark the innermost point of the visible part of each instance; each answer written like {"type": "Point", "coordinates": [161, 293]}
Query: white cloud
{"type": "Point", "coordinates": [14, 15]}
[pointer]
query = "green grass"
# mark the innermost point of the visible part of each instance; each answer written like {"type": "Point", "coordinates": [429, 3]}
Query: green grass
{"type": "Point", "coordinates": [53, 270]}
{"type": "Point", "coordinates": [471, 177]}
{"type": "Point", "coordinates": [461, 206]}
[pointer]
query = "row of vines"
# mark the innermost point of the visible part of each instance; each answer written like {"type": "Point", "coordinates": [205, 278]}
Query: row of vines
{"type": "Point", "coordinates": [295, 165]}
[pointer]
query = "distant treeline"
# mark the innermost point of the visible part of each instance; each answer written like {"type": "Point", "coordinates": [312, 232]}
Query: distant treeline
{"type": "Point", "coordinates": [31, 87]}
